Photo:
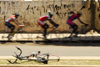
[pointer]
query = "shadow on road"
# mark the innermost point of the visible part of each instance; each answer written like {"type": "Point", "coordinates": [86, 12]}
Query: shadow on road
{"type": "Point", "coordinates": [76, 41]}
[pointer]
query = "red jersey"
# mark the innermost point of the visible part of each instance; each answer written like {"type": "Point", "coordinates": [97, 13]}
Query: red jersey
{"type": "Point", "coordinates": [44, 18]}
{"type": "Point", "coordinates": [11, 18]}
{"type": "Point", "coordinates": [73, 17]}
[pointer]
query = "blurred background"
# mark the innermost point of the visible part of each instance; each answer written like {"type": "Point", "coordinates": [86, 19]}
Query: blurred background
{"type": "Point", "coordinates": [31, 10]}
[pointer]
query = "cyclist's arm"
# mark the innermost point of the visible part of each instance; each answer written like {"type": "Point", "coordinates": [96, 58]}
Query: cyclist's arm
{"type": "Point", "coordinates": [16, 22]}
{"type": "Point", "coordinates": [50, 20]}
{"type": "Point", "coordinates": [81, 21]}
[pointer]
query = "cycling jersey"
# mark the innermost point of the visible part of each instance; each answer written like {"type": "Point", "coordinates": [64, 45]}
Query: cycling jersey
{"type": "Point", "coordinates": [42, 19]}
{"type": "Point", "coordinates": [11, 18]}
{"type": "Point", "coordinates": [71, 18]}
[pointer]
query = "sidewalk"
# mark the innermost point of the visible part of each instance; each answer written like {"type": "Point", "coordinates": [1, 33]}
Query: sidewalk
{"type": "Point", "coordinates": [58, 37]}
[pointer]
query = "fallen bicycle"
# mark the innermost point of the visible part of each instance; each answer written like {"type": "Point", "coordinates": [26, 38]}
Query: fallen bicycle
{"type": "Point", "coordinates": [41, 58]}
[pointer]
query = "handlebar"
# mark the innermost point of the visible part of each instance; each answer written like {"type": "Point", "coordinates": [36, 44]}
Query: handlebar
{"type": "Point", "coordinates": [21, 26]}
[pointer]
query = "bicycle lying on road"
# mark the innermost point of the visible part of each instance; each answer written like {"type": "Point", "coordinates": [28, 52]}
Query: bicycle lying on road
{"type": "Point", "coordinates": [42, 58]}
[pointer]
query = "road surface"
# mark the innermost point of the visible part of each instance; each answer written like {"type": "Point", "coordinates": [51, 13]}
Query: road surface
{"type": "Point", "coordinates": [9, 49]}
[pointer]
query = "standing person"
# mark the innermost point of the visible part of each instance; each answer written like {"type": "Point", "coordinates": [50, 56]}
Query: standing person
{"type": "Point", "coordinates": [44, 25]}
{"type": "Point", "coordinates": [11, 26]}
{"type": "Point", "coordinates": [72, 24]}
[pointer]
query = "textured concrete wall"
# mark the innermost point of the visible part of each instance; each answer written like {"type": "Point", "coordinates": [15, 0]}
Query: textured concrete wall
{"type": "Point", "coordinates": [97, 17]}
{"type": "Point", "coordinates": [31, 11]}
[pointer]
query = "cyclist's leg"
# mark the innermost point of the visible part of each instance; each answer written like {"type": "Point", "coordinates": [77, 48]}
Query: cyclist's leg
{"type": "Point", "coordinates": [45, 26]}
{"type": "Point", "coordinates": [75, 27]}
{"type": "Point", "coordinates": [71, 34]}
{"type": "Point", "coordinates": [12, 30]}
{"type": "Point", "coordinates": [10, 26]}
{"type": "Point", "coordinates": [71, 24]}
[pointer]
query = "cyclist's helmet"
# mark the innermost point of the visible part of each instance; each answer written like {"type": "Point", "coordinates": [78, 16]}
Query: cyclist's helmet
{"type": "Point", "coordinates": [16, 14]}
{"type": "Point", "coordinates": [50, 13]}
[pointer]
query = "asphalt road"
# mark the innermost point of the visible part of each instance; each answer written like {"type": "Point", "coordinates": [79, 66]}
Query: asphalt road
{"type": "Point", "coordinates": [9, 49]}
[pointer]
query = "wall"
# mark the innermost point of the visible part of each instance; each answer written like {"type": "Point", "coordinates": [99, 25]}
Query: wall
{"type": "Point", "coordinates": [31, 11]}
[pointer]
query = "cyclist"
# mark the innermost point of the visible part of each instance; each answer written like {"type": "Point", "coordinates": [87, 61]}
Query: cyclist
{"type": "Point", "coordinates": [72, 24]}
{"type": "Point", "coordinates": [44, 25]}
{"type": "Point", "coordinates": [10, 25]}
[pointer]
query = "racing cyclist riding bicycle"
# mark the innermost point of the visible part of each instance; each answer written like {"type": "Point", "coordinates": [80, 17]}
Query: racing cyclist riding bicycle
{"type": "Point", "coordinates": [72, 24]}
{"type": "Point", "coordinates": [8, 23]}
{"type": "Point", "coordinates": [44, 25]}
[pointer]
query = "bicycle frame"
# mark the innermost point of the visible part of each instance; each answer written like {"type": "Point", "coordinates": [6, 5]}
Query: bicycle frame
{"type": "Point", "coordinates": [42, 58]}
